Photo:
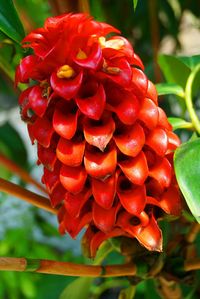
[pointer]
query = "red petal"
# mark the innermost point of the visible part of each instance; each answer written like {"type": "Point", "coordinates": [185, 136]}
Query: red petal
{"type": "Point", "coordinates": [57, 195]}
{"type": "Point", "coordinates": [70, 152]}
{"type": "Point", "coordinates": [137, 61]}
{"type": "Point", "coordinates": [173, 141]}
{"type": "Point", "coordinates": [93, 59]}
{"type": "Point", "coordinates": [75, 202]}
{"type": "Point", "coordinates": [148, 113]}
{"type": "Point", "coordinates": [51, 178]}
{"type": "Point", "coordinates": [124, 104]}
{"type": "Point", "coordinates": [104, 191]}
{"type": "Point", "coordinates": [135, 169]}
{"type": "Point", "coordinates": [139, 83]}
{"type": "Point", "coordinates": [150, 236]}
{"type": "Point", "coordinates": [37, 101]}
{"type": "Point", "coordinates": [171, 201]}
{"type": "Point", "coordinates": [66, 88]}
{"type": "Point", "coordinates": [152, 92]}
{"type": "Point", "coordinates": [104, 219]}
{"type": "Point", "coordinates": [73, 178]}
{"type": "Point", "coordinates": [65, 123]}
{"type": "Point", "coordinates": [99, 133]}
{"type": "Point", "coordinates": [47, 157]}
{"type": "Point", "coordinates": [42, 131]}
{"type": "Point", "coordinates": [93, 240]}
{"type": "Point", "coordinates": [26, 68]}
{"type": "Point", "coordinates": [163, 121]}
{"type": "Point", "coordinates": [131, 141]}
{"type": "Point", "coordinates": [93, 106]}
{"type": "Point", "coordinates": [122, 76]}
{"type": "Point", "coordinates": [162, 172]}
{"type": "Point", "coordinates": [158, 141]}
{"type": "Point", "coordinates": [25, 105]}
{"type": "Point", "coordinates": [132, 198]}
{"type": "Point", "coordinates": [74, 225]}
{"type": "Point", "coordinates": [100, 164]}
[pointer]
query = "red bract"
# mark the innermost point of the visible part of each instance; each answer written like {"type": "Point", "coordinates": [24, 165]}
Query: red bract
{"type": "Point", "coordinates": [105, 144]}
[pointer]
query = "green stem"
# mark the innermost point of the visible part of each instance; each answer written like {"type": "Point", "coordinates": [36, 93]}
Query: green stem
{"type": "Point", "coordinates": [188, 99]}
{"type": "Point", "coordinates": [106, 285]}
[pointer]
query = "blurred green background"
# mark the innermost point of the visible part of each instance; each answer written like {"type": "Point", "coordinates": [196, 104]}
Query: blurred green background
{"type": "Point", "coordinates": [156, 26]}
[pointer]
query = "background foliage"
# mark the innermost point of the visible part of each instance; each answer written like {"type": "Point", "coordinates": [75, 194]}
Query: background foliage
{"type": "Point", "coordinates": [155, 28]}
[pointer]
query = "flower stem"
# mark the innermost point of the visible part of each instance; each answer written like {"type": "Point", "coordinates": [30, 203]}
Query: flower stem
{"type": "Point", "coordinates": [23, 174]}
{"type": "Point", "coordinates": [26, 195]}
{"type": "Point", "coordinates": [65, 268]}
{"type": "Point", "coordinates": [188, 99]}
{"type": "Point", "coordinates": [193, 264]}
{"type": "Point", "coordinates": [192, 234]}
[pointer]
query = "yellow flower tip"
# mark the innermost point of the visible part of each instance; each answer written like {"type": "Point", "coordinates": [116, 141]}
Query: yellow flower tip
{"type": "Point", "coordinates": [112, 70]}
{"type": "Point", "coordinates": [65, 72]}
{"type": "Point", "coordinates": [81, 54]}
{"type": "Point", "coordinates": [102, 41]}
{"type": "Point", "coordinates": [116, 43]}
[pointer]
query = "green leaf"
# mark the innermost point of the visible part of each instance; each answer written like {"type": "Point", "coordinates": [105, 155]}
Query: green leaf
{"type": "Point", "coordinates": [12, 140]}
{"type": "Point", "coordinates": [4, 172]}
{"type": "Point", "coordinates": [170, 88]}
{"type": "Point", "coordinates": [190, 61]}
{"type": "Point", "coordinates": [10, 23]}
{"type": "Point", "coordinates": [79, 288]}
{"type": "Point", "coordinates": [187, 169]}
{"type": "Point", "coordinates": [135, 2]}
{"type": "Point", "coordinates": [128, 293]}
{"type": "Point", "coordinates": [179, 123]}
{"type": "Point", "coordinates": [174, 70]}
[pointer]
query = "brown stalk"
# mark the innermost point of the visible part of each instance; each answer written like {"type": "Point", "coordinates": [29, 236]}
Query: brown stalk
{"type": "Point", "coordinates": [23, 174]}
{"type": "Point", "coordinates": [192, 264]}
{"type": "Point", "coordinates": [193, 232]}
{"type": "Point", "coordinates": [65, 268]}
{"type": "Point", "coordinates": [26, 195]}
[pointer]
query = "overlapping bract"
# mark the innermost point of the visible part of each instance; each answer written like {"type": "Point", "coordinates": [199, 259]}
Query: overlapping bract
{"type": "Point", "coordinates": [106, 146]}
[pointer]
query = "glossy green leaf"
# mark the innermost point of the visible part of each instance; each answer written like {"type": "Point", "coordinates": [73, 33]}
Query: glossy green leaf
{"type": "Point", "coordinates": [179, 123]}
{"type": "Point", "coordinates": [187, 169]}
{"type": "Point", "coordinates": [12, 140]}
{"type": "Point", "coordinates": [169, 88]}
{"type": "Point", "coordinates": [174, 70]}
{"type": "Point", "coordinates": [79, 288]}
{"type": "Point", "coordinates": [135, 2]}
{"type": "Point", "coordinates": [10, 23]}
{"type": "Point", "coordinates": [190, 61]}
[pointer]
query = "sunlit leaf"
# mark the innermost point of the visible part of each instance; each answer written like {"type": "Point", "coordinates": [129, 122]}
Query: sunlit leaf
{"type": "Point", "coordinates": [79, 288]}
{"type": "Point", "coordinates": [10, 23]}
{"type": "Point", "coordinates": [187, 169]}
{"type": "Point", "coordinates": [179, 123]}
{"type": "Point", "coordinates": [135, 2]}
{"type": "Point", "coordinates": [190, 61]}
{"type": "Point", "coordinates": [174, 70]}
{"type": "Point", "coordinates": [169, 88]}
{"type": "Point", "coordinates": [12, 140]}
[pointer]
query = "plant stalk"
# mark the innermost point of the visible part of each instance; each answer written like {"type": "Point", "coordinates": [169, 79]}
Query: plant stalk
{"type": "Point", "coordinates": [23, 174]}
{"type": "Point", "coordinates": [188, 99]}
{"type": "Point", "coordinates": [65, 268]}
{"type": "Point", "coordinates": [26, 195]}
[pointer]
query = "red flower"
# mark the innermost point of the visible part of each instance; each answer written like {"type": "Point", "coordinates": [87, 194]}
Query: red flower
{"type": "Point", "coordinates": [105, 144]}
